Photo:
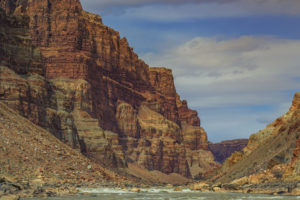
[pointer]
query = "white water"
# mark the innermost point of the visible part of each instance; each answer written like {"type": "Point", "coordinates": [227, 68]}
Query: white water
{"type": "Point", "coordinates": [122, 191]}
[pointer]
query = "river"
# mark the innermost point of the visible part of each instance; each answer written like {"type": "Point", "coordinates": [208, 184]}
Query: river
{"type": "Point", "coordinates": [162, 194]}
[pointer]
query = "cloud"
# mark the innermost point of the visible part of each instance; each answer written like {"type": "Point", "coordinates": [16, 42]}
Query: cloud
{"type": "Point", "coordinates": [237, 85]}
{"type": "Point", "coordinates": [246, 71]}
{"type": "Point", "coordinates": [178, 9]}
{"type": "Point", "coordinates": [137, 3]}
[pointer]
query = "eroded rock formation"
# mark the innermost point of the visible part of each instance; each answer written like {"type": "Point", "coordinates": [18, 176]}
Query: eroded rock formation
{"type": "Point", "coordinates": [78, 79]}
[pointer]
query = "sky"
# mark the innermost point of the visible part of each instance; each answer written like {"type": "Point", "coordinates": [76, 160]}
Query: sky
{"type": "Point", "coordinates": [237, 62]}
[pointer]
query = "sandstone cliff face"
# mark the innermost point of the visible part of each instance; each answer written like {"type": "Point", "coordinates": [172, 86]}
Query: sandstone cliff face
{"type": "Point", "coordinates": [22, 84]}
{"type": "Point", "coordinates": [87, 86]}
{"type": "Point", "coordinates": [35, 99]}
{"type": "Point", "coordinates": [292, 171]}
{"type": "Point", "coordinates": [224, 149]}
{"type": "Point", "coordinates": [272, 154]}
{"type": "Point", "coordinates": [16, 48]}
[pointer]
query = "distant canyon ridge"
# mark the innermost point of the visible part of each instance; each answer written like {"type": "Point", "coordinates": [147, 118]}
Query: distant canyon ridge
{"type": "Point", "coordinates": [222, 150]}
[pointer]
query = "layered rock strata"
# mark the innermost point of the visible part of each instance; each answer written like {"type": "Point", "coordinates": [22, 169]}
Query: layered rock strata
{"type": "Point", "coordinates": [85, 84]}
{"type": "Point", "coordinates": [16, 48]}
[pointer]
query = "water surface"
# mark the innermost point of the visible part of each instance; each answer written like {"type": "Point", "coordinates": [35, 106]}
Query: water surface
{"type": "Point", "coordinates": [163, 194]}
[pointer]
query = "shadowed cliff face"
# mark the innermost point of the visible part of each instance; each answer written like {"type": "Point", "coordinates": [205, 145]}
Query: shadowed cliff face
{"type": "Point", "coordinates": [92, 91]}
{"type": "Point", "coordinates": [272, 154]}
{"type": "Point", "coordinates": [224, 149]}
{"type": "Point", "coordinates": [16, 48]}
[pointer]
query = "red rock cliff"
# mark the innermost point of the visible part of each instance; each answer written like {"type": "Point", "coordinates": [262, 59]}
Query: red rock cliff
{"type": "Point", "coordinates": [97, 94]}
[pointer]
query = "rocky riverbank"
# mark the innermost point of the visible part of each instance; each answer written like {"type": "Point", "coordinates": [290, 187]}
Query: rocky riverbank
{"type": "Point", "coordinates": [35, 163]}
{"type": "Point", "coordinates": [270, 188]}
{"type": "Point", "coordinates": [16, 189]}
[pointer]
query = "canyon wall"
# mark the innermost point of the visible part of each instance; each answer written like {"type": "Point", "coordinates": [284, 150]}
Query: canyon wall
{"type": "Point", "coordinates": [272, 154]}
{"type": "Point", "coordinates": [66, 71]}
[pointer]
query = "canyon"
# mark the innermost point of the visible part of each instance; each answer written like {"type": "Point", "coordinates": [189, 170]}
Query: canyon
{"type": "Point", "coordinates": [68, 73]}
{"type": "Point", "coordinates": [78, 106]}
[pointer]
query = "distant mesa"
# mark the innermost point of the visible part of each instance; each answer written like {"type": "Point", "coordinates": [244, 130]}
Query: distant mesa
{"type": "Point", "coordinates": [224, 149]}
